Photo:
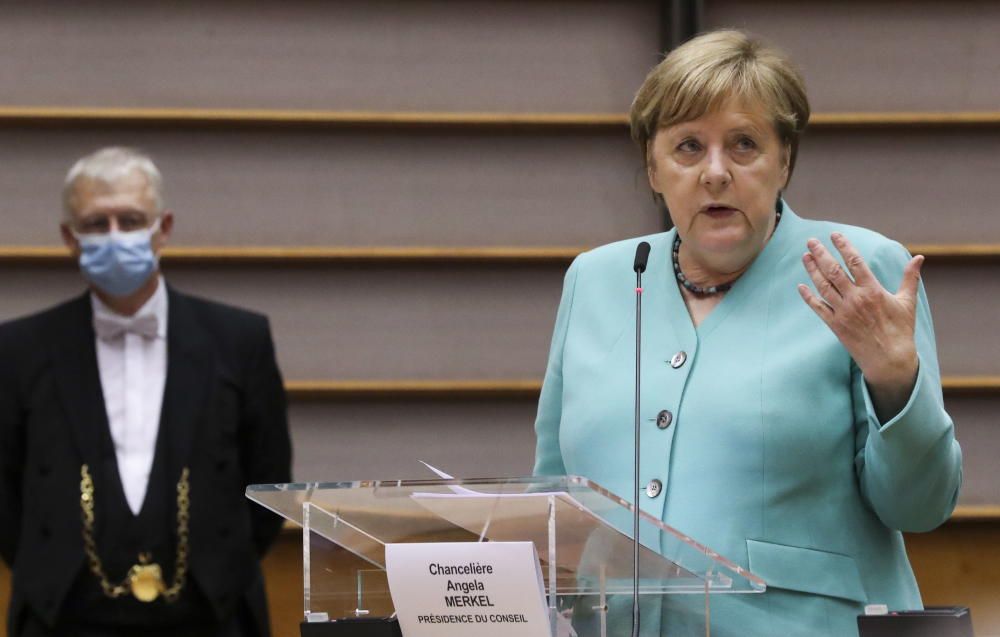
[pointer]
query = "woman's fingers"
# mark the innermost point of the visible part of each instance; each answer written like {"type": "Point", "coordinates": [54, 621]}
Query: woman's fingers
{"type": "Point", "coordinates": [911, 279]}
{"type": "Point", "coordinates": [827, 290]}
{"type": "Point", "coordinates": [830, 269]}
{"type": "Point", "coordinates": [818, 305]}
{"type": "Point", "coordinates": [855, 262]}
{"type": "Point", "coordinates": [875, 326]}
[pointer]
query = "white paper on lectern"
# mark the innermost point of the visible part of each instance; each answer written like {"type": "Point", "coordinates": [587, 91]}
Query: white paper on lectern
{"type": "Point", "coordinates": [517, 505]}
{"type": "Point", "coordinates": [513, 589]}
{"type": "Point", "coordinates": [523, 516]}
{"type": "Point", "coordinates": [445, 476]}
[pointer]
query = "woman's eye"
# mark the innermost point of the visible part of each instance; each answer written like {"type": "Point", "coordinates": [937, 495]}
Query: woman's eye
{"type": "Point", "coordinates": [745, 143]}
{"type": "Point", "coordinates": [688, 146]}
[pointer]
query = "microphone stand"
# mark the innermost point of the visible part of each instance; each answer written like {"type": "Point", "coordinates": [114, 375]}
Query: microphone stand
{"type": "Point", "coordinates": [641, 256]}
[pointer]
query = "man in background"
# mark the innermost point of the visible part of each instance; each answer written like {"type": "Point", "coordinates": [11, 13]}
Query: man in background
{"type": "Point", "coordinates": [131, 419]}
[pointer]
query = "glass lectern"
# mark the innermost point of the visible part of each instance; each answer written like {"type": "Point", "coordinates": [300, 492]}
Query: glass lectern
{"type": "Point", "coordinates": [582, 533]}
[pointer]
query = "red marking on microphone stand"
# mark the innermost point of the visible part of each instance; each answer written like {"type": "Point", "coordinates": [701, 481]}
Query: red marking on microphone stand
{"type": "Point", "coordinates": [638, 290]}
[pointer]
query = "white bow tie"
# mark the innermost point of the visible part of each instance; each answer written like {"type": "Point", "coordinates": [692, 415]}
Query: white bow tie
{"type": "Point", "coordinates": [110, 326]}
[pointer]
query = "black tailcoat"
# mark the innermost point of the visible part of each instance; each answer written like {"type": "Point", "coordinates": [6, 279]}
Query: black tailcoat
{"type": "Point", "coordinates": [223, 416]}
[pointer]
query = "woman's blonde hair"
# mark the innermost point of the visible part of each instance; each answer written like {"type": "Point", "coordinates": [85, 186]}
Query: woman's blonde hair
{"type": "Point", "coordinates": [705, 72]}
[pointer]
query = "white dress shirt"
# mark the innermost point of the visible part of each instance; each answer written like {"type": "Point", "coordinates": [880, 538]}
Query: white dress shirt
{"type": "Point", "coordinates": [132, 361]}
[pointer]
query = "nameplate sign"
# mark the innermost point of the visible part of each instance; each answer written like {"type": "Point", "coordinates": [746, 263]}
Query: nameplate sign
{"type": "Point", "coordinates": [487, 589]}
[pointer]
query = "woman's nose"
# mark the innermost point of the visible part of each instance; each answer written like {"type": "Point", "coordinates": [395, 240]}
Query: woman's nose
{"type": "Point", "coordinates": [716, 173]}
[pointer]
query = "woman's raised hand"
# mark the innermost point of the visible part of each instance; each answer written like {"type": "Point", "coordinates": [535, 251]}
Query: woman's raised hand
{"type": "Point", "coordinates": [875, 326]}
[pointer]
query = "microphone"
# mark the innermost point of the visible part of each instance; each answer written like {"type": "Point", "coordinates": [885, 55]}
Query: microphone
{"type": "Point", "coordinates": [639, 266]}
{"type": "Point", "coordinates": [641, 257]}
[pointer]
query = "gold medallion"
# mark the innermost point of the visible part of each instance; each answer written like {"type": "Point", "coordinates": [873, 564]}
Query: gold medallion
{"type": "Point", "coordinates": [145, 579]}
{"type": "Point", "coordinates": [146, 582]}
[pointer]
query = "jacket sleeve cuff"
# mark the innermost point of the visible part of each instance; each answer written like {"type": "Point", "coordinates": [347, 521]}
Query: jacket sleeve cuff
{"type": "Point", "coordinates": [918, 426]}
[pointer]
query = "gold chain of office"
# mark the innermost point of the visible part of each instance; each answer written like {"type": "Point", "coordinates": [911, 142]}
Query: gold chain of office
{"type": "Point", "coordinates": [145, 579]}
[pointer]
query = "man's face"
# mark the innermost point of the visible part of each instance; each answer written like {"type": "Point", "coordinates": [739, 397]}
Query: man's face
{"type": "Point", "coordinates": [125, 205]}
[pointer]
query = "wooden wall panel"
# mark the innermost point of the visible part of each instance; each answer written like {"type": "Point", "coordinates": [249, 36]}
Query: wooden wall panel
{"type": "Point", "coordinates": [956, 565]}
{"type": "Point", "coordinates": [383, 440]}
{"type": "Point", "coordinates": [356, 54]}
{"type": "Point", "coordinates": [365, 439]}
{"type": "Point", "coordinates": [367, 322]}
{"type": "Point", "coordinates": [283, 573]}
{"type": "Point", "coordinates": [917, 186]}
{"type": "Point", "coordinates": [977, 427]}
{"type": "Point", "coordinates": [965, 303]}
{"type": "Point", "coordinates": [385, 322]}
{"type": "Point", "coordinates": [352, 187]}
{"type": "Point", "coordinates": [478, 187]}
{"type": "Point", "coordinates": [472, 321]}
{"type": "Point", "coordinates": [881, 55]}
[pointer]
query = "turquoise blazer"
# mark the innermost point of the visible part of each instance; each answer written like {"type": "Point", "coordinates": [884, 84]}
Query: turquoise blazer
{"type": "Point", "coordinates": [774, 456]}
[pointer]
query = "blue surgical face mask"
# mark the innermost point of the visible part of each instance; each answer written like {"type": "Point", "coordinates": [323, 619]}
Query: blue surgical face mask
{"type": "Point", "coordinates": [118, 263]}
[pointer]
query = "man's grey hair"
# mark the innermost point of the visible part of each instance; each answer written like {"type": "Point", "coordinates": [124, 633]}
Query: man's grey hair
{"type": "Point", "coordinates": [110, 164]}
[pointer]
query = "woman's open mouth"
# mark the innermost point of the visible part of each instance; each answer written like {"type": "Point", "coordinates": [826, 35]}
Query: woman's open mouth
{"type": "Point", "coordinates": [719, 211]}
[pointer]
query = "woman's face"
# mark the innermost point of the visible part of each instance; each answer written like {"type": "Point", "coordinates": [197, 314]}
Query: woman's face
{"type": "Point", "coordinates": [720, 175]}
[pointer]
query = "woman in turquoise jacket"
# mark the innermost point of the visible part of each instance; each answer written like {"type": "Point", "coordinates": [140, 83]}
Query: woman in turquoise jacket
{"type": "Point", "coordinates": [791, 408]}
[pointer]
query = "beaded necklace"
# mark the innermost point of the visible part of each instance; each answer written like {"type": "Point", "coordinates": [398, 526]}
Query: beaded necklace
{"type": "Point", "coordinates": [714, 289]}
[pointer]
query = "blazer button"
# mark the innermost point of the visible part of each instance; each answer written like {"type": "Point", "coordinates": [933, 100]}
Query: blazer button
{"type": "Point", "coordinates": [654, 488]}
{"type": "Point", "coordinates": [678, 359]}
{"type": "Point", "coordinates": [664, 418]}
